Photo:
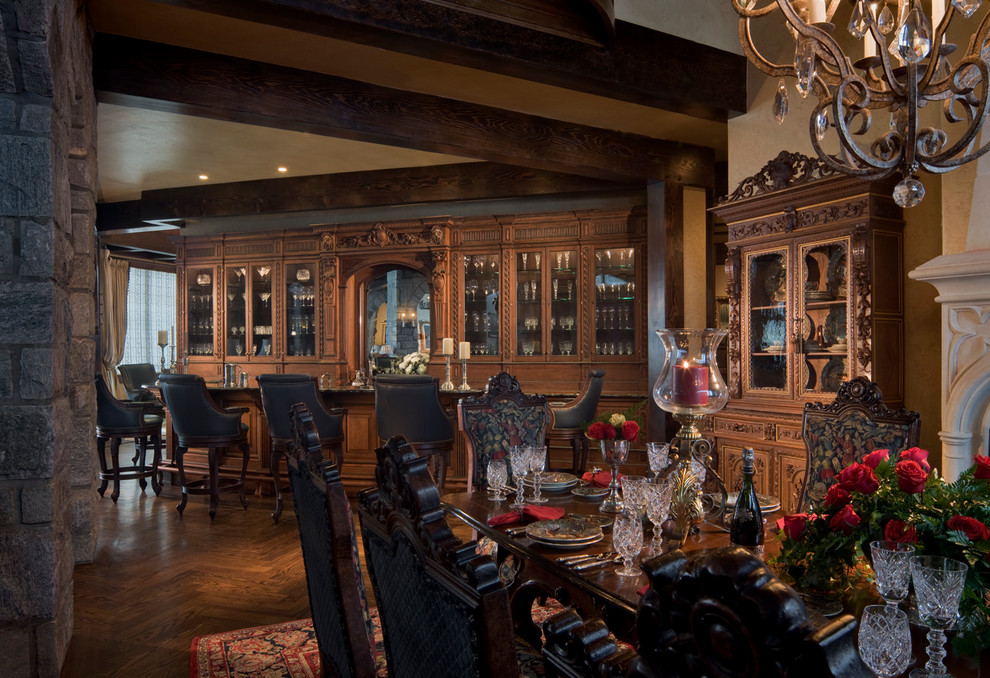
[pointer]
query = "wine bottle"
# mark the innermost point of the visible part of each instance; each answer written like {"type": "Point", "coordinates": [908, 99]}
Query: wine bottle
{"type": "Point", "coordinates": [747, 519]}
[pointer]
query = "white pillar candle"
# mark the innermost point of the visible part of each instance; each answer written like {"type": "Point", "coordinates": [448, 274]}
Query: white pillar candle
{"type": "Point", "coordinates": [465, 348]}
{"type": "Point", "coordinates": [162, 338]}
{"type": "Point", "coordinates": [448, 346]}
{"type": "Point", "coordinates": [816, 12]}
{"type": "Point", "coordinates": [869, 45]}
{"type": "Point", "coordinates": [938, 11]}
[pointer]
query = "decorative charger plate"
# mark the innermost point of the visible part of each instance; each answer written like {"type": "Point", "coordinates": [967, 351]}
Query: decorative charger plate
{"type": "Point", "coordinates": [553, 480]}
{"type": "Point", "coordinates": [590, 492]}
{"type": "Point", "coordinates": [601, 521]}
{"type": "Point", "coordinates": [570, 531]}
{"type": "Point", "coordinates": [767, 503]}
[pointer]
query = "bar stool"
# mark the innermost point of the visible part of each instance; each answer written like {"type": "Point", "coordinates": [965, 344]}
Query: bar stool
{"type": "Point", "coordinates": [198, 422]}
{"type": "Point", "coordinates": [116, 419]}
{"type": "Point", "coordinates": [570, 419]}
{"type": "Point", "coordinates": [279, 392]}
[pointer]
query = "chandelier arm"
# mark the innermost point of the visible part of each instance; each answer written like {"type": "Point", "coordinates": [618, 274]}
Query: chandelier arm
{"type": "Point", "coordinates": [976, 42]}
{"type": "Point", "coordinates": [976, 117]}
{"type": "Point", "coordinates": [910, 162]}
{"type": "Point", "coordinates": [756, 58]}
{"type": "Point", "coordinates": [875, 167]}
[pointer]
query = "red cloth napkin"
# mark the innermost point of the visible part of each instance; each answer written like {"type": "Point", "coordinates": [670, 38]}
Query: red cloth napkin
{"type": "Point", "coordinates": [528, 513]}
{"type": "Point", "coordinates": [600, 479]}
{"type": "Point", "coordinates": [643, 590]}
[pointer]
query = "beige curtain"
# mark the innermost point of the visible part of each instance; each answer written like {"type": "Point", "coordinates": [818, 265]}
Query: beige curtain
{"type": "Point", "coordinates": [113, 316]}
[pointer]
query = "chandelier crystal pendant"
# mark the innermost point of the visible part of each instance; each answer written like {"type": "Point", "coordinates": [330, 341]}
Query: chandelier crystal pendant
{"type": "Point", "coordinates": [893, 66]}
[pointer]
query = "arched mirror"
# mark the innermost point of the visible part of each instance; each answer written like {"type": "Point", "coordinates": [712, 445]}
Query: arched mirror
{"type": "Point", "coordinates": [398, 317]}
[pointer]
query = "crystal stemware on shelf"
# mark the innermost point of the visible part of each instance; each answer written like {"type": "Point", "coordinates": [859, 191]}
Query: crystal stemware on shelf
{"type": "Point", "coordinates": [892, 565]}
{"type": "Point", "coordinates": [627, 540]}
{"type": "Point", "coordinates": [520, 467]}
{"type": "Point", "coordinates": [614, 453]}
{"type": "Point", "coordinates": [938, 586]}
{"type": "Point", "coordinates": [498, 476]}
{"type": "Point", "coordinates": [885, 640]}
{"type": "Point", "coordinates": [537, 455]}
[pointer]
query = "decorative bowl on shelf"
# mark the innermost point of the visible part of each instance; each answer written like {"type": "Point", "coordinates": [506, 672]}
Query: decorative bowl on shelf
{"type": "Point", "coordinates": [302, 275]}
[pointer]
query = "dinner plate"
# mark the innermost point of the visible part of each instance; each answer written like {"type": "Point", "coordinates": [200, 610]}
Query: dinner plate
{"type": "Point", "coordinates": [552, 481]}
{"type": "Point", "coordinates": [601, 521]}
{"type": "Point", "coordinates": [590, 492]}
{"type": "Point", "coordinates": [568, 530]}
{"type": "Point", "coordinates": [575, 543]}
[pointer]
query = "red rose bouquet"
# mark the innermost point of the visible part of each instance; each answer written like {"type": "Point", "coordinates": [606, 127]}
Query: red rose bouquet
{"type": "Point", "coordinates": [899, 498]}
{"type": "Point", "coordinates": [622, 425]}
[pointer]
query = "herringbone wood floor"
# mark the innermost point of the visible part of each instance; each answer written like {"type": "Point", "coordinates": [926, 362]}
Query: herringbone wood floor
{"type": "Point", "coordinates": [158, 580]}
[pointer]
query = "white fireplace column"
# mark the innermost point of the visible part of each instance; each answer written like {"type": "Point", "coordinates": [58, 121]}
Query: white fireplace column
{"type": "Point", "coordinates": [963, 284]}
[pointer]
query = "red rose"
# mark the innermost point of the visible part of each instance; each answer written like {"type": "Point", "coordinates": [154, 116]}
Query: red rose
{"type": "Point", "coordinates": [796, 525]}
{"type": "Point", "coordinates": [630, 430]}
{"type": "Point", "coordinates": [982, 470]}
{"type": "Point", "coordinates": [500, 454]}
{"type": "Point", "coordinates": [858, 477]}
{"type": "Point", "coordinates": [919, 455]}
{"type": "Point", "coordinates": [874, 458]}
{"type": "Point", "coordinates": [845, 521]}
{"type": "Point", "coordinates": [837, 496]}
{"type": "Point", "coordinates": [599, 431]}
{"type": "Point", "coordinates": [911, 476]}
{"type": "Point", "coordinates": [971, 527]}
{"type": "Point", "coordinates": [898, 530]}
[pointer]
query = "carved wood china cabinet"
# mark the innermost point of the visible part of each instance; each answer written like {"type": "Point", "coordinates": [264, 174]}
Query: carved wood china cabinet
{"type": "Point", "coordinates": [544, 297]}
{"type": "Point", "coordinates": [814, 272]}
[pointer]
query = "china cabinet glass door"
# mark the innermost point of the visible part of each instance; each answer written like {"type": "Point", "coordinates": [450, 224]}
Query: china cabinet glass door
{"type": "Point", "coordinates": [823, 292]}
{"type": "Point", "coordinates": [615, 301]}
{"type": "Point", "coordinates": [529, 303]}
{"type": "Point", "coordinates": [261, 310]}
{"type": "Point", "coordinates": [300, 309]}
{"type": "Point", "coordinates": [235, 290]}
{"type": "Point", "coordinates": [481, 290]}
{"type": "Point", "coordinates": [765, 316]}
{"type": "Point", "coordinates": [563, 302]}
{"type": "Point", "coordinates": [199, 318]}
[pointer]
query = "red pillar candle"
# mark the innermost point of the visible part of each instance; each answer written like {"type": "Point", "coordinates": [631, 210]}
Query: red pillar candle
{"type": "Point", "coordinates": [690, 384]}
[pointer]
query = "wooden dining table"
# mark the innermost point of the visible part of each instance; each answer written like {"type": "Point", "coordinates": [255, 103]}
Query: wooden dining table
{"type": "Point", "coordinates": [532, 570]}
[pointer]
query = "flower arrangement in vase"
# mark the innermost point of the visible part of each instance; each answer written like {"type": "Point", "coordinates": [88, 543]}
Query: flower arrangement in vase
{"type": "Point", "coordinates": [413, 363]}
{"type": "Point", "coordinates": [622, 425]}
{"type": "Point", "coordinates": [900, 499]}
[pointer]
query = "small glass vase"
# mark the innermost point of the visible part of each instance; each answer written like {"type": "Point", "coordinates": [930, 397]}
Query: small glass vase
{"type": "Point", "coordinates": [614, 453]}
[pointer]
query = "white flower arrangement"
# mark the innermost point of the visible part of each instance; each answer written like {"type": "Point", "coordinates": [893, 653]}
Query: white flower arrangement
{"type": "Point", "coordinates": [413, 363]}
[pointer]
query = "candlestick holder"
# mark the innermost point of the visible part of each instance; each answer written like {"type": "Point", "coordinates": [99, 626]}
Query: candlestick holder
{"type": "Point", "coordinates": [464, 384]}
{"type": "Point", "coordinates": [163, 347]}
{"type": "Point", "coordinates": [690, 387]}
{"type": "Point", "coordinates": [447, 384]}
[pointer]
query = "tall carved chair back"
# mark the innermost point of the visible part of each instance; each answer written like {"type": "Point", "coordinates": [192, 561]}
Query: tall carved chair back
{"type": "Point", "coordinates": [501, 417]}
{"type": "Point", "coordinates": [844, 431]}
{"type": "Point", "coordinates": [444, 610]}
{"type": "Point", "coordinates": [344, 627]}
{"type": "Point", "coordinates": [408, 405]}
{"type": "Point", "coordinates": [719, 613]}
{"type": "Point", "coordinates": [570, 419]}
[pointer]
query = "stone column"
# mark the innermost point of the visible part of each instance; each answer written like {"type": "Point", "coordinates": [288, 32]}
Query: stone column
{"type": "Point", "coordinates": [47, 327]}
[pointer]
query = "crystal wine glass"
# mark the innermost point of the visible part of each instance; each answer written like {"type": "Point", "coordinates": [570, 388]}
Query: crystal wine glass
{"type": "Point", "coordinates": [658, 498]}
{"type": "Point", "coordinates": [520, 467]}
{"type": "Point", "coordinates": [633, 493]}
{"type": "Point", "coordinates": [537, 462]}
{"type": "Point", "coordinates": [892, 565]}
{"type": "Point", "coordinates": [658, 454]}
{"type": "Point", "coordinates": [498, 476]}
{"type": "Point", "coordinates": [627, 540]}
{"type": "Point", "coordinates": [885, 640]}
{"type": "Point", "coordinates": [938, 585]}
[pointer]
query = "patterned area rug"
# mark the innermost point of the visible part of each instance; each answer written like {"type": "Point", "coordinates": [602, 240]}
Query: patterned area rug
{"type": "Point", "coordinates": [286, 650]}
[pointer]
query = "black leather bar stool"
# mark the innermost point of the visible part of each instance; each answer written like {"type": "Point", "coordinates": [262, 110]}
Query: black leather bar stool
{"type": "Point", "coordinates": [115, 420]}
{"type": "Point", "coordinates": [279, 392]}
{"type": "Point", "coordinates": [198, 423]}
{"type": "Point", "coordinates": [570, 419]}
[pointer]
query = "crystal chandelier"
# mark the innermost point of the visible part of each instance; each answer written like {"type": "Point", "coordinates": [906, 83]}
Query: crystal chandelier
{"type": "Point", "coordinates": [901, 65]}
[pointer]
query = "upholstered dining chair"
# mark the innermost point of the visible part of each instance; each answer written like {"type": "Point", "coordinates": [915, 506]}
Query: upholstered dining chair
{"type": "Point", "coordinates": [116, 420]}
{"type": "Point", "coordinates": [720, 613]}
{"type": "Point", "coordinates": [134, 377]}
{"type": "Point", "coordinates": [845, 430]}
{"type": "Point", "coordinates": [279, 392]}
{"type": "Point", "coordinates": [408, 405]}
{"type": "Point", "coordinates": [198, 423]}
{"type": "Point", "coordinates": [570, 419]}
{"type": "Point", "coordinates": [347, 630]}
{"type": "Point", "coordinates": [444, 611]}
{"type": "Point", "coordinates": [496, 420]}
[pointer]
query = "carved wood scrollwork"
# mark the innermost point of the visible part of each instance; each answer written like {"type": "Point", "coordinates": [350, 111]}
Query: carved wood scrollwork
{"type": "Point", "coordinates": [733, 267]}
{"type": "Point", "coordinates": [438, 266]}
{"type": "Point", "coordinates": [861, 278]}
{"type": "Point", "coordinates": [328, 304]}
{"type": "Point", "coordinates": [381, 236]}
{"type": "Point", "coordinates": [784, 171]}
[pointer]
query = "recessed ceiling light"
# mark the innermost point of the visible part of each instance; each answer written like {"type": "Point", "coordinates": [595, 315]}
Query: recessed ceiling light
{"type": "Point", "coordinates": [283, 169]}
{"type": "Point", "coordinates": [203, 177]}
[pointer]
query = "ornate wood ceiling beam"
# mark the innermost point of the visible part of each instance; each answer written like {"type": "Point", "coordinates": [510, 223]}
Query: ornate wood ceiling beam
{"type": "Point", "coordinates": [144, 74]}
{"type": "Point", "coordinates": [641, 65]}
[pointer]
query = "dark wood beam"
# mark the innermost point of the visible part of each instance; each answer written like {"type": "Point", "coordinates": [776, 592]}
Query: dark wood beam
{"type": "Point", "coordinates": [379, 188]}
{"type": "Point", "coordinates": [641, 65]}
{"type": "Point", "coordinates": [137, 73]}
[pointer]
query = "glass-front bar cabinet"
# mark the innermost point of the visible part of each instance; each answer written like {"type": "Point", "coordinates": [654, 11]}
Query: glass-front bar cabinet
{"type": "Point", "coordinates": [199, 313]}
{"type": "Point", "coordinates": [481, 303]}
{"type": "Point", "coordinates": [615, 301]}
{"type": "Point", "coordinates": [300, 309]}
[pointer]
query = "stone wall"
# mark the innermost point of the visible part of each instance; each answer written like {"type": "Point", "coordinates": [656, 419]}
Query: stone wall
{"type": "Point", "coordinates": [47, 326]}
